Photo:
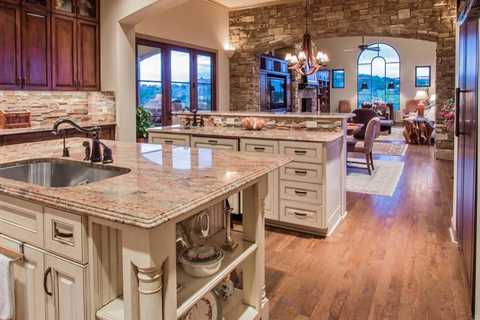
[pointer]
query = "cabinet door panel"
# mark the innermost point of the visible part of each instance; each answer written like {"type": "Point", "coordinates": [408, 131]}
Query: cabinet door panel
{"type": "Point", "coordinates": [64, 53]}
{"type": "Point", "coordinates": [36, 50]}
{"type": "Point", "coordinates": [88, 53]}
{"type": "Point", "coordinates": [67, 285]}
{"type": "Point", "coordinates": [9, 47]}
{"type": "Point", "coordinates": [29, 295]}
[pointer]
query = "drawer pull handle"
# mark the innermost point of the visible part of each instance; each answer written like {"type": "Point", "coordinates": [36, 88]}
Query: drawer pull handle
{"type": "Point", "coordinates": [168, 141]}
{"type": "Point", "coordinates": [300, 214]}
{"type": "Point", "coordinates": [260, 149]}
{"type": "Point", "coordinates": [301, 172]}
{"type": "Point", "coordinates": [59, 234]}
{"type": "Point", "coordinates": [213, 141]}
{"type": "Point", "coordinates": [300, 152]}
{"type": "Point", "coordinates": [301, 193]}
{"type": "Point", "coordinates": [45, 280]}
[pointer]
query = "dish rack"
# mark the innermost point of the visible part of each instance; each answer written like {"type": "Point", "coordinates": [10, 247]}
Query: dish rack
{"type": "Point", "coordinates": [15, 119]}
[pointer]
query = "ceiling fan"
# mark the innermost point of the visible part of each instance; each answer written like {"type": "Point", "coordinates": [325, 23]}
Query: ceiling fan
{"type": "Point", "coordinates": [364, 46]}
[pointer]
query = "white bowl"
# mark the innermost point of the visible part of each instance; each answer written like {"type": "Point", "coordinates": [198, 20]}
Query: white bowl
{"type": "Point", "coordinates": [204, 268]}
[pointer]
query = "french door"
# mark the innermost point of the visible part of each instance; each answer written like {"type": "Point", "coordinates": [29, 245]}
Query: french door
{"type": "Point", "coordinates": [173, 78]}
{"type": "Point", "coordinates": [466, 131]}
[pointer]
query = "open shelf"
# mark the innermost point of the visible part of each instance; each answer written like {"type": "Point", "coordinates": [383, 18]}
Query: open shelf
{"type": "Point", "coordinates": [193, 289]}
{"type": "Point", "coordinates": [235, 309]}
{"type": "Point", "coordinates": [112, 311]}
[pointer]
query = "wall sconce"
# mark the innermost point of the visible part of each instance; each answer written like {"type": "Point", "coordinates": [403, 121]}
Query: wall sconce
{"type": "Point", "coordinates": [229, 50]}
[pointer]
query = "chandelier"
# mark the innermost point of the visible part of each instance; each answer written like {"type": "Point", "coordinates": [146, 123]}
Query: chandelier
{"type": "Point", "coordinates": [306, 63]}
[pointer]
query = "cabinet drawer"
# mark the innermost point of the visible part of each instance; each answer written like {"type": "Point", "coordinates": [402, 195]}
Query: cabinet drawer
{"type": "Point", "coordinates": [65, 234]}
{"type": "Point", "coordinates": [300, 213]}
{"type": "Point", "coordinates": [21, 220]}
{"type": "Point", "coordinates": [260, 146]}
{"type": "Point", "coordinates": [175, 139]}
{"type": "Point", "coordinates": [301, 191]}
{"type": "Point", "coordinates": [303, 172]}
{"type": "Point", "coordinates": [302, 151]}
{"type": "Point", "coordinates": [215, 143]}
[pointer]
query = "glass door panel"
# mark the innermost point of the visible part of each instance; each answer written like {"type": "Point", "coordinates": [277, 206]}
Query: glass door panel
{"type": "Point", "coordinates": [37, 4]}
{"type": "Point", "coordinates": [64, 6]}
{"type": "Point", "coordinates": [150, 84]}
{"type": "Point", "coordinates": [87, 9]}
{"type": "Point", "coordinates": [180, 80]}
{"type": "Point", "coordinates": [204, 81]}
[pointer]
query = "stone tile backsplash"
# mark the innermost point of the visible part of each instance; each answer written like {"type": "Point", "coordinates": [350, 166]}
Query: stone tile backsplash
{"type": "Point", "coordinates": [47, 106]}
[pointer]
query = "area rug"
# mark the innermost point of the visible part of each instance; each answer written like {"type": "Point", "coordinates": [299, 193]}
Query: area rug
{"type": "Point", "coordinates": [383, 181]}
{"type": "Point", "coordinates": [390, 149]}
{"type": "Point", "coordinates": [396, 135]}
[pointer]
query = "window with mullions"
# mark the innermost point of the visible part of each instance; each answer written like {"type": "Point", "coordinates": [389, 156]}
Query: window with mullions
{"type": "Point", "coordinates": [378, 76]}
{"type": "Point", "coordinates": [172, 78]}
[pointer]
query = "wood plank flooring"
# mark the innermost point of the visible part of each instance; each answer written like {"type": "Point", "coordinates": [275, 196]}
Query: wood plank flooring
{"type": "Point", "coordinates": [391, 258]}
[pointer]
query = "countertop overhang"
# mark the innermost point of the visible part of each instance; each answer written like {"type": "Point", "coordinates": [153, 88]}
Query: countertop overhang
{"type": "Point", "coordinates": [165, 182]}
{"type": "Point", "coordinates": [269, 134]}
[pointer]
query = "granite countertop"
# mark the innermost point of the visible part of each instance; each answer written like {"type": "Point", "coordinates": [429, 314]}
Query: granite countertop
{"type": "Point", "coordinates": [273, 134]}
{"type": "Point", "coordinates": [84, 124]}
{"type": "Point", "coordinates": [288, 115]}
{"type": "Point", "coordinates": [165, 182]}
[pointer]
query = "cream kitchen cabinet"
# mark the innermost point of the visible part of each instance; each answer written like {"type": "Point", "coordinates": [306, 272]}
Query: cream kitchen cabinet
{"type": "Point", "coordinates": [65, 284]}
{"type": "Point", "coordinates": [220, 144]}
{"type": "Point", "coordinates": [173, 139]}
{"type": "Point", "coordinates": [267, 147]}
{"type": "Point", "coordinates": [46, 286]}
{"type": "Point", "coordinates": [30, 297]}
{"type": "Point", "coordinates": [305, 195]}
{"type": "Point", "coordinates": [50, 281]}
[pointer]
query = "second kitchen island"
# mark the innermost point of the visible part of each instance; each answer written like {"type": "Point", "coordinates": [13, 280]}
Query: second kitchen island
{"type": "Point", "coordinates": [306, 195]}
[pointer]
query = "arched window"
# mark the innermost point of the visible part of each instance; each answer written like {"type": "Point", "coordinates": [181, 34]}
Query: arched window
{"type": "Point", "coordinates": [379, 75]}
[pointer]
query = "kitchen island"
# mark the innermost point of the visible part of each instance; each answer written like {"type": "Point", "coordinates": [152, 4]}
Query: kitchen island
{"type": "Point", "coordinates": [108, 249]}
{"type": "Point", "coordinates": [308, 194]}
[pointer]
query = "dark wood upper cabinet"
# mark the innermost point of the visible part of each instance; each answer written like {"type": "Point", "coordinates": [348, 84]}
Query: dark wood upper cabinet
{"type": "Point", "coordinates": [83, 9]}
{"type": "Point", "coordinates": [36, 50]}
{"type": "Point", "coordinates": [41, 50]}
{"type": "Point", "coordinates": [11, 1]}
{"type": "Point", "coordinates": [10, 72]}
{"type": "Point", "coordinates": [64, 53]}
{"type": "Point", "coordinates": [41, 5]}
{"type": "Point", "coordinates": [88, 55]}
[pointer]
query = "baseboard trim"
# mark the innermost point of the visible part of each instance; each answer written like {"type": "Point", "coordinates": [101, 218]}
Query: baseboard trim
{"type": "Point", "coordinates": [337, 223]}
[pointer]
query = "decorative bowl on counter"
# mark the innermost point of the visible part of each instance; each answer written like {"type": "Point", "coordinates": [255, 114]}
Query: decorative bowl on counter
{"type": "Point", "coordinates": [202, 261]}
{"type": "Point", "coordinates": [252, 123]}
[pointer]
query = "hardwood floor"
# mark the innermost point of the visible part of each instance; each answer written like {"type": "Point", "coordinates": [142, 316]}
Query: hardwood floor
{"type": "Point", "coordinates": [391, 258]}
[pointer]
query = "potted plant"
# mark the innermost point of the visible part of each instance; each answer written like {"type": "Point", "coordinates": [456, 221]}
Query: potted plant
{"type": "Point", "coordinates": [144, 122]}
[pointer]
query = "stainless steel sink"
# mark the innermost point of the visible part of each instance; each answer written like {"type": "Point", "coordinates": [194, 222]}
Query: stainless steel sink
{"type": "Point", "coordinates": [59, 173]}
